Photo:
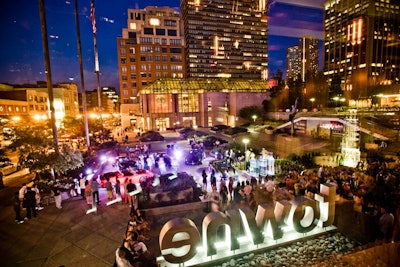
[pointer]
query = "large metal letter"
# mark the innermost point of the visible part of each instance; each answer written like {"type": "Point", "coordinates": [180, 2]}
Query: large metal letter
{"type": "Point", "coordinates": [175, 234]}
{"type": "Point", "coordinates": [250, 225]}
{"type": "Point", "coordinates": [211, 223]}
{"type": "Point", "coordinates": [326, 200]}
{"type": "Point", "coordinates": [266, 213]}
{"type": "Point", "coordinates": [234, 223]}
{"type": "Point", "coordinates": [300, 205]}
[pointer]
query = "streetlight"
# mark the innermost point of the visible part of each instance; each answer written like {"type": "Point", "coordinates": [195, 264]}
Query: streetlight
{"type": "Point", "coordinates": [254, 121]}
{"type": "Point", "coordinates": [254, 118]}
{"type": "Point", "coordinates": [245, 142]}
{"type": "Point", "coordinates": [312, 103]}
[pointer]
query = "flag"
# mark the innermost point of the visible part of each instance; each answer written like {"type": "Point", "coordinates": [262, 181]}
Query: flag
{"type": "Point", "coordinates": [92, 17]}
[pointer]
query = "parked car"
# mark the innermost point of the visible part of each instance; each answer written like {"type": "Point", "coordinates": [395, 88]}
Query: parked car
{"type": "Point", "coordinates": [151, 136]}
{"type": "Point", "coordinates": [7, 167]}
{"type": "Point", "coordinates": [235, 130]}
{"type": "Point", "coordinates": [188, 132]}
{"type": "Point", "coordinates": [210, 141]}
{"type": "Point", "coordinates": [194, 157]}
{"type": "Point", "coordinates": [219, 127]}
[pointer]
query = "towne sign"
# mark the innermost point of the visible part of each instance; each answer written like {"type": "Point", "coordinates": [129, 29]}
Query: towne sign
{"type": "Point", "coordinates": [239, 231]}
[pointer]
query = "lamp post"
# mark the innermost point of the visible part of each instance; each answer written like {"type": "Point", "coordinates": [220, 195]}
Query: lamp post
{"type": "Point", "coordinates": [312, 103]}
{"type": "Point", "coordinates": [254, 121]}
{"type": "Point", "coordinates": [245, 142]}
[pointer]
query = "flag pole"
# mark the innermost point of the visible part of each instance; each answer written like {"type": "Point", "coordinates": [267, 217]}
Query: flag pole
{"type": "Point", "coordinates": [49, 79]}
{"type": "Point", "coordinates": [96, 59]}
{"type": "Point", "coordinates": [85, 118]}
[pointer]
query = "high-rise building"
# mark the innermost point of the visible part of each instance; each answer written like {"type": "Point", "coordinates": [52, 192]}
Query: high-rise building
{"type": "Point", "coordinates": [302, 59]}
{"type": "Point", "coordinates": [226, 39]}
{"type": "Point", "coordinates": [309, 50]}
{"type": "Point", "coordinates": [293, 64]}
{"type": "Point", "coordinates": [362, 46]}
{"type": "Point", "coordinates": [152, 47]}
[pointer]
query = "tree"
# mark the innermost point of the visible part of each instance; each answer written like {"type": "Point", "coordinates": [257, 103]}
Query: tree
{"type": "Point", "coordinates": [296, 87]}
{"type": "Point", "coordinates": [272, 103]}
{"type": "Point", "coordinates": [335, 90]}
{"type": "Point", "coordinates": [36, 151]}
{"type": "Point", "coordinates": [248, 112]}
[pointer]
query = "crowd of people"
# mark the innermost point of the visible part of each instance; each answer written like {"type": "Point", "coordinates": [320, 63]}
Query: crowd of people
{"type": "Point", "coordinates": [374, 190]}
{"type": "Point", "coordinates": [134, 252]}
{"type": "Point", "coordinates": [27, 199]}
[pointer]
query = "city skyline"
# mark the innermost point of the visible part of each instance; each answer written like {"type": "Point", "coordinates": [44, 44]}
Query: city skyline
{"type": "Point", "coordinates": [22, 60]}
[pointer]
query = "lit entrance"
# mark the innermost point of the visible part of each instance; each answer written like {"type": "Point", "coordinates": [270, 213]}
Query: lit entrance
{"type": "Point", "coordinates": [162, 124]}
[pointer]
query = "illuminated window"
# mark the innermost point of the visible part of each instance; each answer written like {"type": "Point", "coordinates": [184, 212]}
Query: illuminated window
{"type": "Point", "coordinates": [154, 21]}
{"type": "Point", "coordinates": [188, 103]}
{"type": "Point", "coordinates": [162, 103]}
{"type": "Point", "coordinates": [132, 26]}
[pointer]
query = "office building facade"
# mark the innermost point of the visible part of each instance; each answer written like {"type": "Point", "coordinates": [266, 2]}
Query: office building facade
{"type": "Point", "coordinates": [226, 39]}
{"type": "Point", "coordinates": [309, 51]}
{"type": "Point", "coordinates": [151, 47]}
{"type": "Point", "coordinates": [362, 47]}
{"type": "Point", "coordinates": [302, 59]}
{"type": "Point", "coordinates": [293, 63]}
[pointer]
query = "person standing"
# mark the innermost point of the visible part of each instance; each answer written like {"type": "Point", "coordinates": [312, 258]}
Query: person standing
{"type": "Point", "coordinates": [21, 194]}
{"type": "Point", "coordinates": [126, 191]}
{"type": "Point", "coordinates": [109, 188]}
{"type": "Point", "coordinates": [213, 178]}
{"type": "Point", "coordinates": [204, 175]}
{"type": "Point", "coordinates": [386, 223]}
{"type": "Point", "coordinates": [88, 193]}
{"type": "Point", "coordinates": [215, 199]}
{"type": "Point", "coordinates": [57, 196]}
{"type": "Point", "coordinates": [82, 185]}
{"type": "Point", "coordinates": [130, 188]}
{"type": "Point", "coordinates": [94, 186]}
{"type": "Point", "coordinates": [230, 188]}
{"type": "Point", "coordinates": [17, 208]}
{"type": "Point", "coordinates": [30, 198]}
{"type": "Point", "coordinates": [118, 189]}
{"type": "Point", "coordinates": [223, 192]}
{"type": "Point", "coordinates": [37, 197]}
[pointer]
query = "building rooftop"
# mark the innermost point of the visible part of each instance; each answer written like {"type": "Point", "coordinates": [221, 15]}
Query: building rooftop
{"type": "Point", "coordinates": [210, 85]}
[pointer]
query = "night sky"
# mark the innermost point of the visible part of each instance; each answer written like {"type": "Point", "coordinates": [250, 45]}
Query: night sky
{"type": "Point", "coordinates": [22, 59]}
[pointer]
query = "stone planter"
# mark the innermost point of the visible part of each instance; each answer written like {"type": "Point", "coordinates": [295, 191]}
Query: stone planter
{"type": "Point", "coordinates": [170, 196]}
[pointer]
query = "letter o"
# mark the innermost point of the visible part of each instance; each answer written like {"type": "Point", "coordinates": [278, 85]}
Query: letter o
{"type": "Point", "coordinates": [300, 204]}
